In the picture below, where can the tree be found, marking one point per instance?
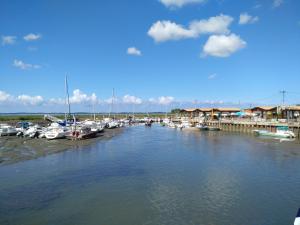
(174, 111)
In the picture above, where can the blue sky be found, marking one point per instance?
(156, 54)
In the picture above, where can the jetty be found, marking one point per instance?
(246, 120)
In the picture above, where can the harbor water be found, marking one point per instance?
(157, 175)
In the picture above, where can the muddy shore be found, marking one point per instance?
(14, 149)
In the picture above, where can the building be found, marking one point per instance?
(265, 112)
(209, 112)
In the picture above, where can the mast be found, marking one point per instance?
(112, 102)
(67, 97)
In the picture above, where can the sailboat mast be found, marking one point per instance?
(67, 96)
(112, 102)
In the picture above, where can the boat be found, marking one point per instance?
(186, 125)
(55, 131)
(32, 131)
(7, 130)
(202, 127)
(79, 133)
(214, 128)
(281, 132)
(112, 124)
(94, 125)
(297, 219)
(148, 123)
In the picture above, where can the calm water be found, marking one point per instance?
(157, 176)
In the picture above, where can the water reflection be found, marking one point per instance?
(157, 176)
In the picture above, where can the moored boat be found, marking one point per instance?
(281, 132)
(79, 133)
(55, 131)
(7, 130)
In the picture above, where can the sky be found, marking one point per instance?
(155, 54)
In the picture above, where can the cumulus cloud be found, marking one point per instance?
(277, 3)
(80, 97)
(5, 97)
(245, 18)
(24, 66)
(223, 45)
(179, 3)
(32, 37)
(23, 99)
(130, 99)
(134, 51)
(166, 30)
(8, 40)
(216, 24)
(30, 100)
(163, 100)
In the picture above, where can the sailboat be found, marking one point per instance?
(111, 122)
(58, 130)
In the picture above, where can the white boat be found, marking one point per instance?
(281, 132)
(297, 219)
(79, 133)
(56, 131)
(112, 124)
(32, 131)
(7, 130)
(94, 125)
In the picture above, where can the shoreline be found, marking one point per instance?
(14, 150)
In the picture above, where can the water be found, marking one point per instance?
(157, 176)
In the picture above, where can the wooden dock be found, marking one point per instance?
(248, 126)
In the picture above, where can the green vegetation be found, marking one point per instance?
(21, 117)
(174, 111)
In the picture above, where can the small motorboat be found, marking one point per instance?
(281, 132)
(202, 127)
(7, 130)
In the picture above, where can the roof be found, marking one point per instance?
(206, 109)
(228, 109)
(265, 108)
(293, 108)
(189, 110)
(212, 109)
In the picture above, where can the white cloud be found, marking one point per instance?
(212, 76)
(216, 24)
(134, 51)
(223, 45)
(129, 99)
(245, 18)
(163, 100)
(8, 40)
(24, 66)
(277, 3)
(179, 3)
(32, 37)
(80, 97)
(5, 97)
(30, 100)
(166, 30)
